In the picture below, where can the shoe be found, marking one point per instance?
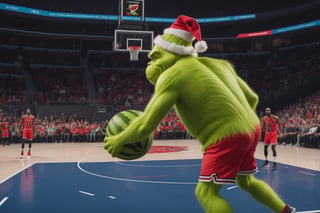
(290, 209)
(266, 163)
(29, 153)
(21, 154)
(274, 166)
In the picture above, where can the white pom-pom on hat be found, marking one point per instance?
(201, 46)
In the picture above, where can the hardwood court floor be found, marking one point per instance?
(82, 177)
(10, 163)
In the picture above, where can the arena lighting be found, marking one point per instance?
(281, 30)
(26, 10)
(51, 14)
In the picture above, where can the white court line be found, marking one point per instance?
(311, 211)
(307, 173)
(18, 172)
(232, 187)
(3, 200)
(132, 180)
(87, 193)
(157, 166)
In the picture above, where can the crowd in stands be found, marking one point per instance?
(12, 86)
(300, 126)
(301, 122)
(123, 88)
(57, 72)
(272, 74)
(171, 127)
(59, 86)
(55, 129)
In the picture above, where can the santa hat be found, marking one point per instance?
(187, 29)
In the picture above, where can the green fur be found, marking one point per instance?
(211, 201)
(213, 103)
(221, 110)
(261, 192)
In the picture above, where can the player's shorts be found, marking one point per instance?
(27, 134)
(270, 138)
(4, 134)
(229, 157)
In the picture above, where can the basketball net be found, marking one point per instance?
(134, 52)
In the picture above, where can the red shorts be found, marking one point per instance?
(5, 134)
(27, 134)
(270, 138)
(233, 155)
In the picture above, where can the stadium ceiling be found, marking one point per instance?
(165, 8)
(263, 15)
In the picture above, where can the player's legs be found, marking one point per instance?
(261, 192)
(26, 138)
(265, 150)
(30, 144)
(208, 196)
(274, 152)
(5, 137)
(259, 189)
(22, 147)
(274, 143)
(30, 138)
(6, 141)
(220, 164)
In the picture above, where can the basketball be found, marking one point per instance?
(117, 124)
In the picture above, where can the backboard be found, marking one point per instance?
(125, 38)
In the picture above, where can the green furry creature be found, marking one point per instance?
(216, 106)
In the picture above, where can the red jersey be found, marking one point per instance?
(28, 121)
(4, 126)
(270, 124)
(5, 129)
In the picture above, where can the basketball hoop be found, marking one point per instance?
(134, 52)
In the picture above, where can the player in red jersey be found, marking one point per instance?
(28, 124)
(5, 131)
(271, 125)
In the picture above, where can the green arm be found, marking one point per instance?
(159, 105)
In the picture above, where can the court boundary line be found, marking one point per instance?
(19, 171)
(3, 201)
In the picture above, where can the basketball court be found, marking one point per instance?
(82, 177)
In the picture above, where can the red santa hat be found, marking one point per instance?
(188, 29)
